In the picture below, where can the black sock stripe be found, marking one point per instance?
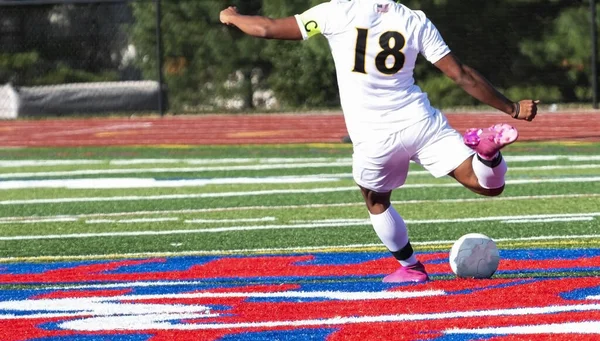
(404, 253)
(491, 163)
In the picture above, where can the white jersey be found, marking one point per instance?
(375, 44)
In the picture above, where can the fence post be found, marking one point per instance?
(159, 58)
(594, 55)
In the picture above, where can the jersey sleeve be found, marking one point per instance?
(432, 45)
(314, 20)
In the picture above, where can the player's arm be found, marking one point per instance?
(480, 88)
(262, 27)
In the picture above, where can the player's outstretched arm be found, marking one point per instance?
(480, 88)
(262, 27)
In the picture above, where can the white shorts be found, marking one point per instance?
(382, 166)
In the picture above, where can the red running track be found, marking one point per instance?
(258, 129)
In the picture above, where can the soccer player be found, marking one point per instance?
(390, 121)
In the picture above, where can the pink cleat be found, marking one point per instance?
(415, 273)
(487, 142)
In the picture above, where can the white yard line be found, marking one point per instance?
(131, 221)
(288, 207)
(241, 220)
(121, 183)
(127, 162)
(21, 163)
(530, 158)
(158, 220)
(504, 218)
(41, 220)
(548, 220)
(272, 192)
(173, 170)
(268, 166)
(101, 221)
(553, 180)
(308, 225)
(557, 167)
(46, 163)
(229, 161)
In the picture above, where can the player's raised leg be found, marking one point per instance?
(484, 173)
(391, 230)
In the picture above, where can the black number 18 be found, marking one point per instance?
(385, 41)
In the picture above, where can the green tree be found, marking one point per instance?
(528, 48)
(486, 35)
(490, 37)
(53, 44)
(563, 54)
(203, 58)
(16, 68)
(303, 72)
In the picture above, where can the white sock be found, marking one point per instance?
(487, 176)
(390, 228)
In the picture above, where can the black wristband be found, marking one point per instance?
(517, 110)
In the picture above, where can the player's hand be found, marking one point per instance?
(227, 14)
(526, 110)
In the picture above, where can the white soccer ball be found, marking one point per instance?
(474, 255)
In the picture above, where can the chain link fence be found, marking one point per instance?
(70, 58)
(91, 57)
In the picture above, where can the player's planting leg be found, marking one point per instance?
(391, 230)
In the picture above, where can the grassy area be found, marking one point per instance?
(272, 210)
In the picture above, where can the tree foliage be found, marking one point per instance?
(303, 73)
(528, 48)
(204, 61)
(61, 43)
